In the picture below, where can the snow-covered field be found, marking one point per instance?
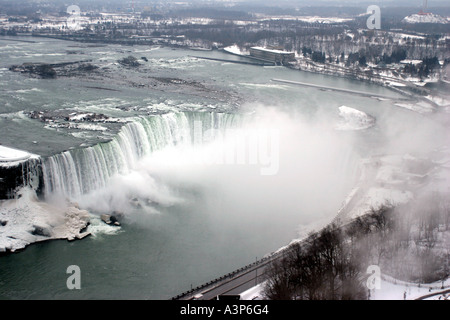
(389, 289)
(392, 289)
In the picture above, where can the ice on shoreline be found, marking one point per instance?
(420, 107)
(12, 155)
(27, 220)
(265, 85)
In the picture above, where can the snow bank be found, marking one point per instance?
(390, 180)
(12, 158)
(420, 107)
(79, 126)
(353, 119)
(265, 86)
(234, 49)
(377, 197)
(27, 220)
(392, 289)
(254, 293)
(311, 19)
(440, 101)
(394, 180)
(12, 155)
(425, 18)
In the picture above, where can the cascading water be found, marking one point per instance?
(26, 174)
(77, 172)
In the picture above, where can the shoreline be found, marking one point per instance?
(414, 92)
(351, 199)
(347, 75)
(27, 220)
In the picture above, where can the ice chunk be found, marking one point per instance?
(352, 119)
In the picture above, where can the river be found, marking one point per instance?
(195, 221)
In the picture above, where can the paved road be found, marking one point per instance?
(234, 283)
(237, 284)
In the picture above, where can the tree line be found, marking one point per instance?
(331, 264)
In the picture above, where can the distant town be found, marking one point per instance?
(411, 47)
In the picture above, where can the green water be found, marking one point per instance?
(228, 217)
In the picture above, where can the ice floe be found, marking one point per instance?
(352, 119)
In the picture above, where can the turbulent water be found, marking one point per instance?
(212, 164)
(77, 172)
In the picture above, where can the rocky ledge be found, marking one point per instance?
(17, 169)
(53, 70)
(113, 219)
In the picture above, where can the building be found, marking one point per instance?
(272, 55)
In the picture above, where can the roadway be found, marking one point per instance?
(233, 283)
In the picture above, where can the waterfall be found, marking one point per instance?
(79, 171)
(19, 174)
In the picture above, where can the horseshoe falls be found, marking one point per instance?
(212, 165)
(77, 172)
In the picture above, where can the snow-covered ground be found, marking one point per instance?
(391, 76)
(425, 18)
(389, 180)
(310, 19)
(234, 49)
(420, 107)
(80, 126)
(28, 220)
(10, 156)
(440, 101)
(254, 293)
(392, 289)
(389, 289)
(394, 179)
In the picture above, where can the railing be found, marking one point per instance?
(229, 276)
